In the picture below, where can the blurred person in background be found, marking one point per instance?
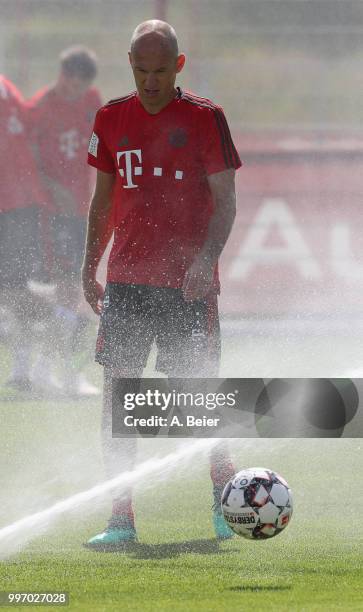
(21, 203)
(60, 117)
(166, 166)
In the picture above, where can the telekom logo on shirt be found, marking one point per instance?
(135, 156)
(128, 161)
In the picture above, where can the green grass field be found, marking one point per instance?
(51, 451)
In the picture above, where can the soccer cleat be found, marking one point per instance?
(222, 531)
(119, 533)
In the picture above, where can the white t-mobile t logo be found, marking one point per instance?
(128, 164)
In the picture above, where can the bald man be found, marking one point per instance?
(165, 165)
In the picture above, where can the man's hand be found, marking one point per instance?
(198, 278)
(93, 292)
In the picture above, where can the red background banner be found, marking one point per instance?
(296, 246)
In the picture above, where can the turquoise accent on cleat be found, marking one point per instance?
(222, 531)
(113, 537)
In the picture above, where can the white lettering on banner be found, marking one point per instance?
(342, 258)
(275, 213)
(138, 169)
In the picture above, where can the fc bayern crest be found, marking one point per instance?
(178, 138)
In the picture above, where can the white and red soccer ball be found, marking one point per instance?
(257, 503)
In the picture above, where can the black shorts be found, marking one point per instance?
(20, 247)
(187, 334)
(67, 238)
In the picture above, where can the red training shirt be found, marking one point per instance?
(19, 185)
(60, 129)
(162, 203)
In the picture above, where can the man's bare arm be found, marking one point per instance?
(199, 277)
(99, 232)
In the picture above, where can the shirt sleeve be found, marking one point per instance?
(99, 156)
(218, 150)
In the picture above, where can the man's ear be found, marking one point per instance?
(180, 62)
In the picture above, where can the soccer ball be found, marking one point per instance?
(257, 503)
